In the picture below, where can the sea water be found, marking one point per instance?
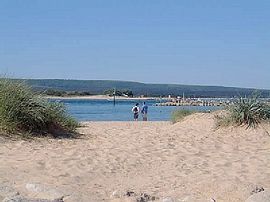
(105, 110)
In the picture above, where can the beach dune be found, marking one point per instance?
(118, 161)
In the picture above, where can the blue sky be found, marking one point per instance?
(209, 42)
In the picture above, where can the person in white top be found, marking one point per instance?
(136, 111)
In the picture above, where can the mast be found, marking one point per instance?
(114, 92)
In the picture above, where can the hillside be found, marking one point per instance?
(99, 86)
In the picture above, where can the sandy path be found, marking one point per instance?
(190, 160)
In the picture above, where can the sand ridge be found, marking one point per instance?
(191, 160)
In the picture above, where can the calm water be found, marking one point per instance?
(104, 110)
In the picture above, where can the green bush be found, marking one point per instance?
(111, 92)
(249, 112)
(179, 115)
(21, 110)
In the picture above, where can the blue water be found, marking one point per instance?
(104, 110)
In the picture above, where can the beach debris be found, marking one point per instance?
(142, 197)
(9, 194)
(145, 198)
(257, 189)
(19, 198)
(115, 194)
(168, 199)
(7, 191)
(45, 192)
(262, 196)
(130, 193)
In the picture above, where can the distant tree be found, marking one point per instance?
(85, 93)
(110, 92)
(128, 93)
(58, 93)
(52, 92)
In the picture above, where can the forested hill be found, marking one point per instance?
(99, 86)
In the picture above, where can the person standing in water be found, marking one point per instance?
(136, 111)
(144, 111)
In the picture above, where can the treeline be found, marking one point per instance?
(60, 93)
(109, 92)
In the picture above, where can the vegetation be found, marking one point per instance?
(22, 111)
(61, 93)
(179, 115)
(111, 92)
(99, 86)
(248, 111)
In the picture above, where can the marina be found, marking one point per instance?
(215, 102)
(197, 102)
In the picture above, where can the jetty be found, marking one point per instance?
(218, 102)
(196, 102)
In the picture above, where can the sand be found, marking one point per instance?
(188, 161)
(101, 97)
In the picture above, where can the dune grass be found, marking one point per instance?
(179, 115)
(24, 112)
(246, 111)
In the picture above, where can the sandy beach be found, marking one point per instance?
(118, 161)
(102, 97)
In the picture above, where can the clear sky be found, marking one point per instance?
(208, 42)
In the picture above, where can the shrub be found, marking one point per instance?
(249, 112)
(52, 92)
(179, 115)
(21, 110)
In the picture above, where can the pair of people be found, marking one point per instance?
(136, 111)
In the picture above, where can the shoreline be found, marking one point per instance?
(123, 122)
(102, 97)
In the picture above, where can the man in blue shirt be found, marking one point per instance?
(144, 111)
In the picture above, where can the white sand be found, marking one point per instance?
(102, 97)
(189, 160)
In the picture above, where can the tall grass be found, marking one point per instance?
(179, 115)
(246, 111)
(23, 111)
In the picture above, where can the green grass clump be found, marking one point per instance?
(248, 111)
(179, 115)
(23, 111)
